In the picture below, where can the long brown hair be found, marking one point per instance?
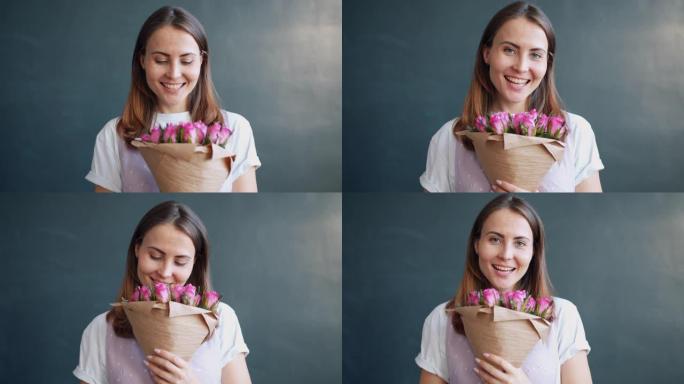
(185, 220)
(536, 279)
(140, 106)
(481, 94)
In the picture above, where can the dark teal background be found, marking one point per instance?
(67, 65)
(617, 257)
(407, 66)
(276, 258)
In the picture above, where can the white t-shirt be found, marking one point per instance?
(566, 333)
(441, 166)
(227, 338)
(106, 166)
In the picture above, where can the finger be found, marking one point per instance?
(499, 361)
(172, 357)
(160, 368)
(508, 187)
(485, 377)
(159, 380)
(495, 372)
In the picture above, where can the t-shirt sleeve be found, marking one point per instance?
(436, 175)
(91, 361)
(105, 170)
(571, 338)
(432, 356)
(587, 159)
(244, 147)
(230, 335)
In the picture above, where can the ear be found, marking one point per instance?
(137, 247)
(485, 54)
(475, 244)
(141, 56)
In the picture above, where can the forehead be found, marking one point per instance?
(171, 40)
(169, 239)
(522, 32)
(507, 222)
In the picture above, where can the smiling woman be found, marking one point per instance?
(170, 83)
(514, 72)
(505, 251)
(169, 245)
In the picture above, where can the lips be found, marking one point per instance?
(503, 268)
(172, 86)
(517, 80)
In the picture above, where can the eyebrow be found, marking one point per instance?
(166, 54)
(518, 47)
(164, 253)
(501, 235)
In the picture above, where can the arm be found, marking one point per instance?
(99, 189)
(429, 378)
(576, 370)
(590, 184)
(235, 372)
(247, 182)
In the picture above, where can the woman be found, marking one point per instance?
(505, 251)
(169, 245)
(171, 83)
(513, 73)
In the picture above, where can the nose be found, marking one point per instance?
(506, 252)
(166, 269)
(173, 70)
(522, 64)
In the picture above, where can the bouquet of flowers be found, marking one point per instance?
(508, 324)
(518, 148)
(172, 317)
(187, 157)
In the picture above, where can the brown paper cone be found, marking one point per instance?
(186, 167)
(519, 160)
(174, 327)
(502, 331)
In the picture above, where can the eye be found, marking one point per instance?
(181, 263)
(509, 50)
(520, 243)
(187, 62)
(161, 61)
(537, 56)
(494, 240)
(155, 256)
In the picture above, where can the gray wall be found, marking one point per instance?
(276, 258)
(67, 71)
(407, 66)
(617, 257)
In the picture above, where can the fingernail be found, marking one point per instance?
(476, 371)
(146, 362)
(157, 350)
(486, 354)
(498, 181)
(476, 359)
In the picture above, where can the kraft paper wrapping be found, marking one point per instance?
(502, 331)
(519, 160)
(181, 167)
(175, 327)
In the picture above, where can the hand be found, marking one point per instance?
(494, 369)
(503, 186)
(168, 368)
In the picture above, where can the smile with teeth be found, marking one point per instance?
(502, 268)
(172, 85)
(516, 80)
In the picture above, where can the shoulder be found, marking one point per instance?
(565, 314)
(236, 120)
(437, 319)
(108, 131)
(445, 134)
(227, 315)
(579, 126)
(97, 327)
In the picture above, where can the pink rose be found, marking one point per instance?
(189, 294)
(530, 304)
(213, 132)
(516, 300)
(223, 135)
(499, 122)
(555, 125)
(189, 133)
(155, 134)
(201, 131)
(211, 299)
(146, 138)
(474, 298)
(526, 122)
(177, 291)
(542, 123)
(136, 294)
(145, 293)
(161, 292)
(507, 297)
(491, 297)
(544, 305)
(170, 133)
(481, 124)
(198, 299)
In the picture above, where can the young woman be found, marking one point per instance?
(513, 73)
(171, 83)
(169, 245)
(505, 251)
